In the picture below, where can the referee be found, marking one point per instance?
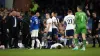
(95, 23)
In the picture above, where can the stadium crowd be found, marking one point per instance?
(16, 32)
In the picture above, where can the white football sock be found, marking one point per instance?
(33, 43)
(42, 43)
(38, 42)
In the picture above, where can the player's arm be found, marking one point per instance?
(86, 18)
(88, 12)
(44, 23)
(48, 26)
(55, 22)
(64, 22)
(62, 46)
(73, 20)
(31, 23)
(76, 16)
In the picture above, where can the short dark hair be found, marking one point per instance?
(48, 14)
(59, 47)
(80, 7)
(54, 12)
(69, 11)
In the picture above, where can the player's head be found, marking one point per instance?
(69, 12)
(79, 8)
(94, 14)
(53, 14)
(37, 14)
(47, 15)
(59, 47)
(14, 13)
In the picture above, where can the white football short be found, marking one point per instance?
(34, 33)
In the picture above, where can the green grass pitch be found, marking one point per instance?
(54, 52)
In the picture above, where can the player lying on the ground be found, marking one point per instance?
(56, 46)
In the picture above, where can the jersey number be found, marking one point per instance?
(70, 21)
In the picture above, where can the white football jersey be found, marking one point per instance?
(55, 45)
(48, 22)
(54, 20)
(69, 19)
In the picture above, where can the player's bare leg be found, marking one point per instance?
(38, 43)
(33, 43)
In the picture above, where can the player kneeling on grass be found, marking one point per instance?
(56, 46)
(34, 29)
(81, 23)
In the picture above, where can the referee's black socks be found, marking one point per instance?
(98, 41)
(93, 42)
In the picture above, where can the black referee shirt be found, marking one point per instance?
(95, 23)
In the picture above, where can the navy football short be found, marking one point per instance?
(54, 31)
(69, 32)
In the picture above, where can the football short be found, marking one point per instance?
(69, 32)
(80, 29)
(54, 32)
(34, 33)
